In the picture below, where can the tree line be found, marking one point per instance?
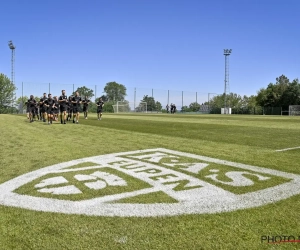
(281, 94)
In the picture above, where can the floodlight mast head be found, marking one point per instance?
(227, 52)
(11, 45)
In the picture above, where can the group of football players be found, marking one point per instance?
(48, 108)
(173, 108)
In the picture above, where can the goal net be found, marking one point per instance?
(294, 110)
(122, 107)
(142, 107)
(126, 107)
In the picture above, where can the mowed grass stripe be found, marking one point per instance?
(266, 137)
(240, 120)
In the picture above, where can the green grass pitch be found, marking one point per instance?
(251, 140)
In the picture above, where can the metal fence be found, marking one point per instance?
(134, 95)
(251, 111)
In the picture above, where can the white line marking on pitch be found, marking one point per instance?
(286, 149)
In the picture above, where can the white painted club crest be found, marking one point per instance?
(178, 175)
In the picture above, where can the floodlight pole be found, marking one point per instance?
(227, 53)
(12, 47)
(134, 99)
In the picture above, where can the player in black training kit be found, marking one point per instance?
(70, 108)
(63, 102)
(27, 109)
(55, 109)
(49, 103)
(31, 104)
(43, 108)
(100, 105)
(167, 108)
(36, 111)
(86, 103)
(76, 105)
(173, 108)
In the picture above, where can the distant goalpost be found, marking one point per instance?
(294, 110)
(127, 107)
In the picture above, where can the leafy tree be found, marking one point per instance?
(281, 94)
(115, 91)
(238, 103)
(282, 82)
(261, 97)
(217, 101)
(158, 106)
(273, 95)
(84, 91)
(108, 107)
(104, 98)
(291, 95)
(249, 101)
(152, 105)
(194, 106)
(150, 102)
(185, 109)
(7, 89)
(20, 102)
(233, 100)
